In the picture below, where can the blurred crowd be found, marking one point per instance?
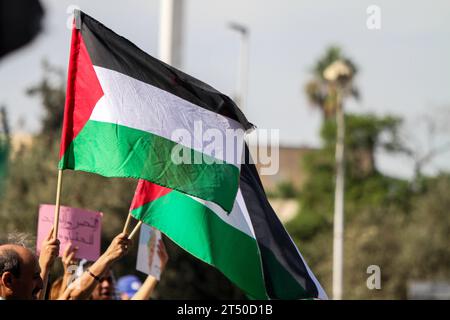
(24, 275)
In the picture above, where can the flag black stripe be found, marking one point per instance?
(109, 50)
(271, 235)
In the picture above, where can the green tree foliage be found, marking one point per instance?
(51, 91)
(365, 186)
(318, 91)
(388, 222)
(286, 190)
(408, 245)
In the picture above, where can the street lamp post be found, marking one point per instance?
(170, 33)
(243, 65)
(339, 75)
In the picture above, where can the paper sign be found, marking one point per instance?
(80, 227)
(148, 260)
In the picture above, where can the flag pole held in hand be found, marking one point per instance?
(127, 223)
(135, 230)
(57, 205)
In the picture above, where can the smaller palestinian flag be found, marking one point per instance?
(128, 114)
(249, 246)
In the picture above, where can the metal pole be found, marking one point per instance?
(165, 31)
(242, 80)
(170, 33)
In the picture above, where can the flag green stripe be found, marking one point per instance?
(203, 234)
(113, 150)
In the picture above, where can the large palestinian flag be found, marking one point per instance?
(128, 114)
(250, 245)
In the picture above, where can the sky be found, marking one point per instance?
(403, 67)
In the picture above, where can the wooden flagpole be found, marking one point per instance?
(127, 223)
(57, 205)
(135, 230)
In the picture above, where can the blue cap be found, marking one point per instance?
(128, 284)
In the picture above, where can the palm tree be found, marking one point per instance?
(318, 90)
(332, 83)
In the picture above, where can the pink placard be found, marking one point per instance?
(80, 227)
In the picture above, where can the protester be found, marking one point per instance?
(69, 263)
(128, 287)
(105, 288)
(131, 288)
(22, 275)
(99, 273)
(49, 252)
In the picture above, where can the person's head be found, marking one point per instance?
(127, 286)
(19, 273)
(105, 288)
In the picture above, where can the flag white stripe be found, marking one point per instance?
(136, 104)
(238, 218)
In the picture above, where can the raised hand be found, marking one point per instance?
(118, 247)
(162, 253)
(68, 256)
(49, 251)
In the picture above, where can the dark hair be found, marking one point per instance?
(9, 261)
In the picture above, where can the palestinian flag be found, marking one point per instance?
(128, 114)
(250, 245)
